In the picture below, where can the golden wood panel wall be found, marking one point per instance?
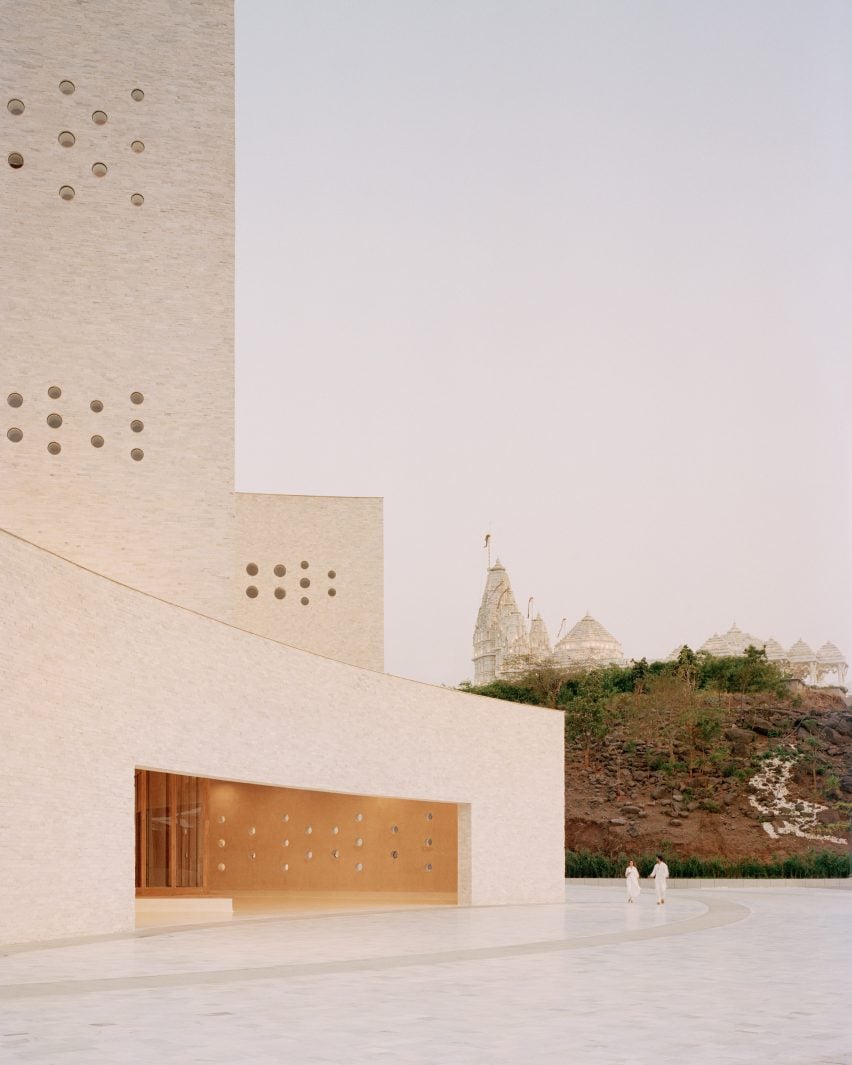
(282, 839)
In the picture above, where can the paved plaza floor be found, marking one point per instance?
(723, 976)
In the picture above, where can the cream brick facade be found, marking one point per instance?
(127, 637)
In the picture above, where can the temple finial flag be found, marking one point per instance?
(488, 547)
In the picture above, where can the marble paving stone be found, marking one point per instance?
(748, 977)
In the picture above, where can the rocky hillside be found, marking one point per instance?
(775, 780)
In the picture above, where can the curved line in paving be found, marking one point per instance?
(719, 912)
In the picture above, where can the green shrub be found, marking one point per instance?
(813, 865)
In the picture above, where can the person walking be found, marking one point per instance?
(631, 874)
(660, 874)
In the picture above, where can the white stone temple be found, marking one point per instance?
(506, 643)
(825, 666)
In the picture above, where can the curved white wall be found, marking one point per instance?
(98, 679)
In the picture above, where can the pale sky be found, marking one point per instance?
(576, 274)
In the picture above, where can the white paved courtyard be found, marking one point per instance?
(759, 975)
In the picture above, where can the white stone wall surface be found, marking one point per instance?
(98, 679)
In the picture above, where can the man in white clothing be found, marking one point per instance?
(660, 874)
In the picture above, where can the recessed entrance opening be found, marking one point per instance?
(269, 848)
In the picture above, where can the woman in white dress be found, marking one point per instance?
(631, 875)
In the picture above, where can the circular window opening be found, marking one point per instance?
(14, 399)
(285, 867)
(251, 592)
(137, 199)
(67, 139)
(309, 830)
(137, 426)
(15, 435)
(15, 107)
(16, 160)
(97, 441)
(394, 828)
(137, 398)
(304, 565)
(66, 192)
(96, 406)
(221, 819)
(99, 169)
(285, 817)
(54, 420)
(429, 817)
(285, 842)
(137, 95)
(54, 391)
(279, 593)
(137, 454)
(220, 843)
(66, 87)
(394, 855)
(427, 842)
(280, 571)
(359, 817)
(99, 118)
(54, 448)
(332, 592)
(335, 853)
(331, 574)
(359, 868)
(304, 583)
(427, 868)
(304, 600)
(137, 146)
(251, 569)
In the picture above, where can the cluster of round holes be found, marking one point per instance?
(67, 139)
(99, 169)
(16, 160)
(15, 107)
(66, 87)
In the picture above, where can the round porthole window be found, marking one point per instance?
(251, 569)
(15, 107)
(16, 160)
(14, 399)
(304, 600)
(99, 169)
(97, 441)
(54, 420)
(54, 391)
(66, 193)
(137, 426)
(359, 868)
(66, 88)
(332, 592)
(137, 146)
(67, 139)
(285, 867)
(137, 95)
(220, 843)
(251, 592)
(54, 448)
(304, 583)
(137, 199)
(99, 118)
(331, 574)
(304, 565)
(280, 571)
(279, 593)
(221, 867)
(137, 398)
(15, 435)
(137, 454)
(96, 406)
(394, 855)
